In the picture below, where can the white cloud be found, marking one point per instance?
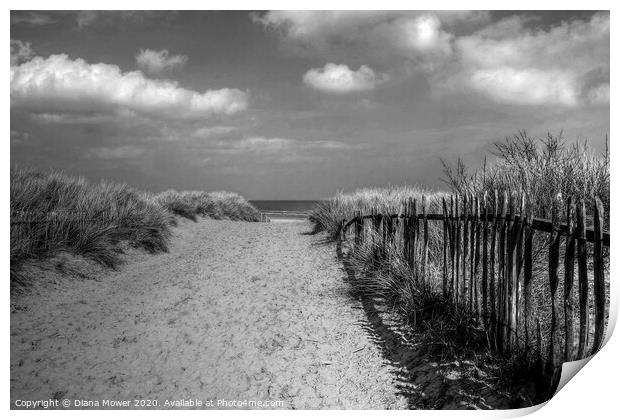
(566, 65)
(417, 36)
(159, 61)
(526, 86)
(20, 136)
(20, 51)
(58, 84)
(86, 17)
(338, 78)
(208, 132)
(118, 152)
(31, 18)
(276, 144)
(516, 60)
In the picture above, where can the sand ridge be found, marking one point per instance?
(235, 311)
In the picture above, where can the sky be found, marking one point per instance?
(297, 105)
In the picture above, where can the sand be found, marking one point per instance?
(236, 311)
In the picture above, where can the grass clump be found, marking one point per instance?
(328, 214)
(53, 213)
(217, 205)
(545, 169)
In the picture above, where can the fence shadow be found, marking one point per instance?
(416, 366)
(390, 343)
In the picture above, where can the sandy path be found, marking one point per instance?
(235, 311)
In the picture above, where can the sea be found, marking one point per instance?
(285, 210)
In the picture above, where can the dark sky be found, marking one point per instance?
(296, 105)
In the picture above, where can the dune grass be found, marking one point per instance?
(217, 205)
(547, 170)
(53, 213)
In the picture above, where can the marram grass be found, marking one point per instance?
(52, 213)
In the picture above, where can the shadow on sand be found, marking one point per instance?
(422, 374)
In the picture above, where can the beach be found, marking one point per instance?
(235, 311)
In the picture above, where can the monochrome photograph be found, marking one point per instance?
(306, 209)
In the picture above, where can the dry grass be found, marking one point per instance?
(53, 213)
(546, 170)
(217, 205)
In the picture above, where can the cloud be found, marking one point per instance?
(20, 51)
(208, 132)
(31, 18)
(118, 152)
(264, 145)
(58, 84)
(86, 17)
(159, 61)
(415, 36)
(20, 136)
(338, 78)
(566, 65)
(518, 60)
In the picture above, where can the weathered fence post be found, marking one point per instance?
(444, 284)
(485, 261)
(425, 245)
(582, 271)
(452, 233)
(599, 277)
(554, 260)
(472, 255)
(477, 257)
(465, 249)
(492, 287)
(457, 247)
(501, 274)
(527, 274)
(569, 276)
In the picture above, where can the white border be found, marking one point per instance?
(592, 394)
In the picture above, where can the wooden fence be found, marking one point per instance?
(489, 251)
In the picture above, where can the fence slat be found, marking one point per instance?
(472, 255)
(425, 244)
(569, 278)
(451, 231)
(465, 248)
(477, 256)
(457, 246)
(414, 242)
(508, 278)
(516, 261)
(485, 262)
(599, 277)
(582, 272)
(444, 283)
(492, 283)
(554, 262)
(527, 274)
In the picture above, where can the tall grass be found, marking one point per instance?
(53, 212)
(547, 170)
(393, 280)
(217, 205)
(328, 214)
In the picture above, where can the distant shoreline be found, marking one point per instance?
(283, 210)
